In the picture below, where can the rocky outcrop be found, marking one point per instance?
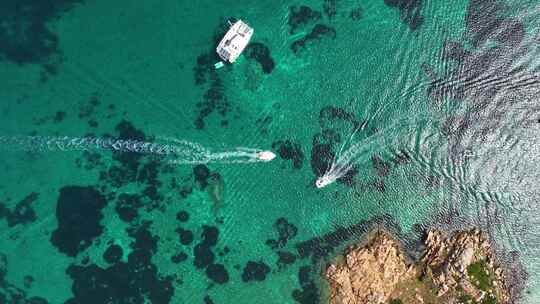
(456, 269)
(369, 274)
(465, 262)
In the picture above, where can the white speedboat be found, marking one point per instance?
(266, 155)
(235, 41)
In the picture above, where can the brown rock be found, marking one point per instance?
(378, 271)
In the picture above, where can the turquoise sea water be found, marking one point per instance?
(446, 94)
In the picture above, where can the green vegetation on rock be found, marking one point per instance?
(479, 275)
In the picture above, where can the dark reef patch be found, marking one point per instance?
(127, 206)
(255, 271)
(300, 17)
(201, 173)
(11, 294)
(178, 258)
(322, 246)
(113, 254)
(25, 37)
(129, 162)
(286, 231)
(487, 76)
(321, 158)
(92, 160)
(483, 19)
(453, 50)
(208, 300)
(285, 258)
(318, 32)
(217, 273)
(88, 109)
(289, 150)
(59, 116)
(330, 8)
(382, 167)
(409, 11)
(214, 99)
(309, 293)
(379, 185)
(203, 256)
(401, 157)
(186, 236)
(330, 114)
(28, 280)
(356, 13)
(260, 53)
(136, 281)
(182, 216)
(78, 213)
(203, 251)
(210, 235)
(22, 213)
(204, 67)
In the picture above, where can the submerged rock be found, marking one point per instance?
(261, 53)
(318, 32)
(22, 213)
(217, 273)
(456, 269)
(299, 17)
(78, 213)
(255, 271)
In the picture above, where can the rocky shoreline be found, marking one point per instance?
(457, 268)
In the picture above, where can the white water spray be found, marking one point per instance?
(181, 151)
(343, 162)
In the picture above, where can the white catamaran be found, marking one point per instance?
(234, 42)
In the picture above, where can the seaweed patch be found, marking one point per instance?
(409, 11)
(127, 206)
(9, 293)
(203, 253)
(214, 99)
(382, 167)
(285, 258)
(309, 292)
(330, 7)
(78, 213)
(255, 271)
(484, 77)
(136, 281)
(113, 254)
(300, 17)
(356, 13)
(260, 53)
(24, 35)
(217, 273)
(285, 231)
(22, 213)
(289, 150)
(317, 33)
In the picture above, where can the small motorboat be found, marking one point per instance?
(266, 155)
(235, 41)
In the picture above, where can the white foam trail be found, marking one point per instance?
(182, 152)
(343, 162)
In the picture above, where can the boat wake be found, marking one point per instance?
(178, 151)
